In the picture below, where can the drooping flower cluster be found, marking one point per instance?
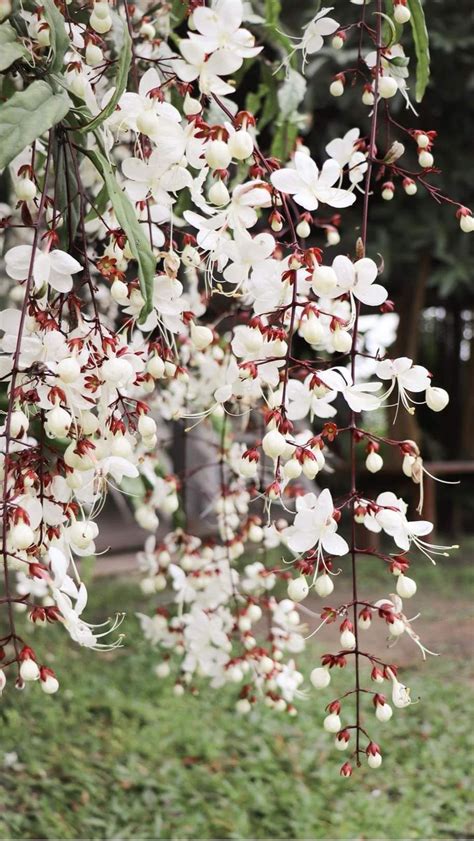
(162, 269)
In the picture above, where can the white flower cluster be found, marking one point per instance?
(99, 353)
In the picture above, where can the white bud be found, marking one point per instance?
(49, 685)
(383, 712)
(310, 468)
(401, 15)
(94, 55)
(436, 398)
(255, 533)
(368, 98)
(243, 706)
(341, 340)
(387, 87)
(347, 640)
(101, 9)
(374, 760)
(324, 585)
(466, 223)
(336, 88)
(374, 462)
(254, 612)
(147, 30)
(146, 425)
(313, 330)
(68, 370)
(341, 744)
(320, 677)
(170, 504)
(303, 229)
(29, 670)
(332, 236)
(178, 690)
(425, 159)
(273, 443)
(100, 25)
(19, 423)
(235, 674)
(25, 189)
(410, 188)
(156, 367)
(218, 154)
(119, 292)
(298, 589)
(388, 194)
(332, 723)
(219, 194)
(292, 469)
(406, 587)
(241, 145)
(22, 536)
(364, 622)
(58, 422)
(116, 370)
(191, 106)
(422, 141)
(201, 337)
(337, 42)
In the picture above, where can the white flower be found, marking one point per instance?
(342, 150)
(309, 186)
(391, 518)
(404, 374)
(358, 279)
(358, 396)
(207, 69)
(219, 27)
(303, 400)
(54, 268)
(315, 526)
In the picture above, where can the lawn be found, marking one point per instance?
(116, 755)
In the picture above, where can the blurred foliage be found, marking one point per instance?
(116, 755)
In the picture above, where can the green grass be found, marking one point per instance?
(116, 755)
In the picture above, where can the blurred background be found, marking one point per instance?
(115, 755)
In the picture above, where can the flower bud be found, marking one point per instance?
(341, 340)
(68, 370)
(425, 159)
(146, 425)
(347, 640)
(273, 443)
(324, 585)
(49, 684)
(303, 229)
(388, 191)
(337, 42)
(341, 742)
(346, 770)
(397, 627)
(336, 88)
(383, 712)
(94, 55)
(374, 757)
(218, 154)
(422, 140)
(29, 669)
(83, 532)
(436, 398)
(156, 367)
(58, 422)
(22, 536)
(298, 589)
(25, 189)
(409, 186)
(243, 706)
(201, 337)
(219, 194)
(241, 145)
(368, 97)
(292, 469)
(406, 587)
(100, 24)
(162, 670)
(191, 106)
(387, 87)
(19, 423)
(374, 462)
(401, 15)
(332, 723)
(320, 677)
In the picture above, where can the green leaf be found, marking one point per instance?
(67, 192)
(10, 49)
(422, 47)
(125, 213)
(27, 115)
(124, 60)
(59, 39)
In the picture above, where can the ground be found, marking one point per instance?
(116, 755)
